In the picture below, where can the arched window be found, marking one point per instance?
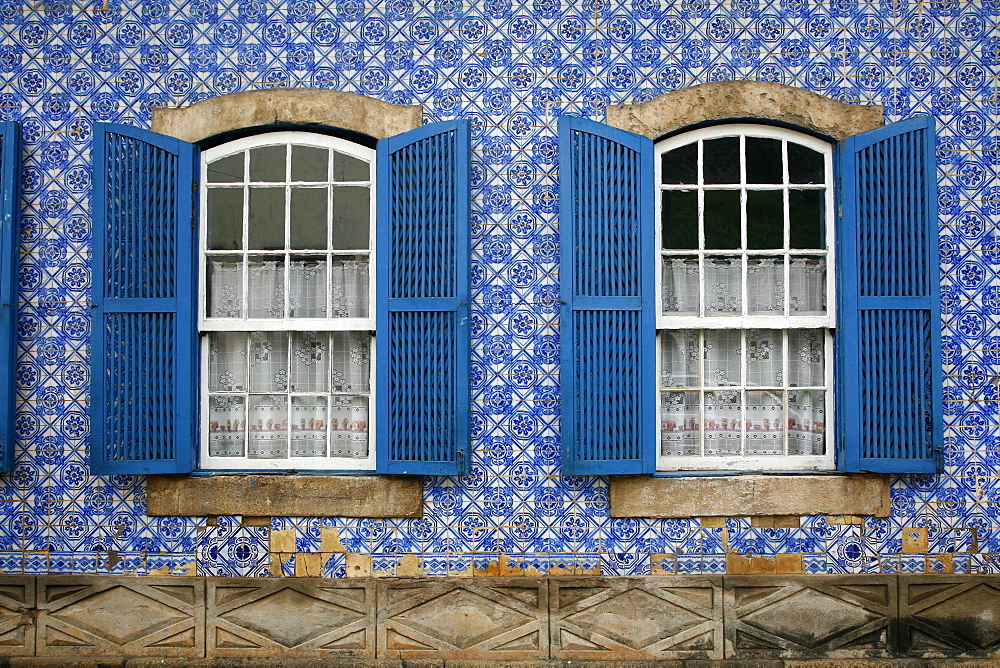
(746, 299)
(287, 312)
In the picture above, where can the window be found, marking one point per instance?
(668, 321)
(300, 262)
(746, 296)
(287, 312)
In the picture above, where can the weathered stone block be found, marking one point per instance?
(636, 618)
(17, 623)
(121, 616)
(811, 616)
(291, 618)
(954, 616)
(463, 618)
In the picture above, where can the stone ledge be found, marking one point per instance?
(305, 106)
(749, 495)
(285, 496)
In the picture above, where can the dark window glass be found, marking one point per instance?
(804, 164)
(226, 170)
(350, 217)
(347, 168)
(267, 164)
(309, 163)
(763, 160)
(225, 218)
(266, 221)
(765, 219)
(722, 160)
(806, 211)
(680, 219)
(307, 218)
(680, 165)
(722, 219)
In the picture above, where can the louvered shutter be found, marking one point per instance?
(143, 358)
(607, 281)
(10, 209)
(422, 322)
(889, 375)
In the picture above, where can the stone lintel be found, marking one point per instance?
(285, 495)
(761, 100)
(750, 495)
(274, 106)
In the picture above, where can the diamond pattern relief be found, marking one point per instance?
(486, 618)
(106, 616)
(636, 618)
(291, 617)
(942, 616)
(805, 616)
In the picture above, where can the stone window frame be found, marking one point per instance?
(747, 495)
(279, 495)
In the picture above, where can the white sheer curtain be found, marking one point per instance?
(806, 422)
(723, 285)
(680, 290)
(807, 280)
(766, 285)
(307, 289)
(349, 287)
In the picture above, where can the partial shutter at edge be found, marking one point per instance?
(144, 376)
(10, 210)
(889, 373)
(607, 279)
(422, 321)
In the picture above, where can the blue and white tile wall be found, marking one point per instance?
(512, 69)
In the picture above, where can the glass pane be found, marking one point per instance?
(227, 423)
(267, 164)
(349, 286)
(227, 367)
(806, 357)
(268, 427)
(679, 358)
(765, 285)
(310, 362)
(805, 165)
(722, 219)
(266, 222)
(350, 355)
(722, 423)
(722, 160)
(679, 219)
(764, 164)
(307, 218)
(680, 165)
(268, 362)
(310, 163)
(723, 285)
(679, 433)
(226, 170)
(765, 423)
(225, 286)
(225, 218)
(765, 219)
(807, 285)
(764, 358)
(680, 291)
(806, 213)
(348, 168)
(307, 287)
(806, 422)
(351, 212)
(349, 426)
(266, 286)
(309, 426)
(722, 357)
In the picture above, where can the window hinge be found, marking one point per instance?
(194, 187)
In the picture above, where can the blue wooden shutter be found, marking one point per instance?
(422, 321)
(144, 383)
(888, 341)
(608, 287)
(10, 209)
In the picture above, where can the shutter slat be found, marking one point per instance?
(889, 375)
(608, 318)
(10, 216)
(144, 353)
(422, 323)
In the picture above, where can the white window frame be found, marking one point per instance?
(245, 324)
(744, 321)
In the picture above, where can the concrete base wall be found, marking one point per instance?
(758, 619)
